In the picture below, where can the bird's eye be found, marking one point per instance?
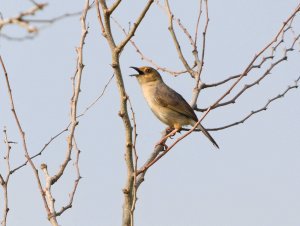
(147, 70)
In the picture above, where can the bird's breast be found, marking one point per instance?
(149, 94)
(163, 113)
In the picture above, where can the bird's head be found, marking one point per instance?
(146, 74)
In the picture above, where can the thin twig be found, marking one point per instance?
(256, 82)
(18, 39)
(41, 151)
(134, 27)
(197, 24)
(97, 99)
(200, 62)
(176, 42)
(20, 21)
(75, 97)
(100, 18)
(54, 19)
(264, 108)
(203, 41)
(264, 60)
(4, 182)
(76, 83)
(22, 135)
(76, 182)
(136, 157)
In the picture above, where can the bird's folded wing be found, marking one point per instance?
(167, 97)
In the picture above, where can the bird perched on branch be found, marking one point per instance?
(167, 105)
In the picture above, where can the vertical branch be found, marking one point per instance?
(175, 40)
(135, 163)
(199, 63)
(50, 180)
(76, 91)
(4, 182)
(100, 18)
(116, 50)
(197, 24)
(123, 113)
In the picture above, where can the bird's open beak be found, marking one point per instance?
(138, 70)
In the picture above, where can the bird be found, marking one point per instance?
(166, 104)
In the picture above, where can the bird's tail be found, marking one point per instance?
(205, 132)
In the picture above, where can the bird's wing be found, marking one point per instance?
(167, 97)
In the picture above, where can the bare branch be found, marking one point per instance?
(264, 59)
(4, 183)
(114, 6)
(1, 180)
(256, 82)
(27, 23)
(54, 19)
(200, 63)
(185, 31)
(246, 87)
(22, 135)
(76, 182)
(75, 97)
(134, 27)
(100, 18)
(18, 39)
(97, 99)
(175, 40)
(48, 196)
(20, 21)
(197, 24)
(41, 151)
(180, 24)
(264, 108)
(136, 157)
(50, 180)
(123, 113)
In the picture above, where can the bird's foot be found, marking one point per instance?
(169, 130)
(169, 135)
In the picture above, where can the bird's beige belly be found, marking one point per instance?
(169, 117)
(164, 114)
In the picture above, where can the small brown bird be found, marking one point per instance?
(167, 105)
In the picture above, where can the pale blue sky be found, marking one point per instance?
(253, 180)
